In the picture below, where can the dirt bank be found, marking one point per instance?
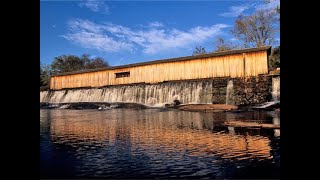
(207, 107)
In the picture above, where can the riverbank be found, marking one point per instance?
(183, 107)
(207, 107)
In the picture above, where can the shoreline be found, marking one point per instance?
(182, 107)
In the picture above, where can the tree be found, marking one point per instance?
(69, 63)
(221, 45)
(274, 58)
(45, 73)
(85, 58)
(199, 50)
(277, 9)
(97, 62)
(41, 75)
(256, 30)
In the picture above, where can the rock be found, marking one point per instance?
(66, 106)
(83, 106)
(176, 102)
(115, 106)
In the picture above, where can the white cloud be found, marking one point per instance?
(154, 39)
(234, 11)
(95, 5)
(155, 24)
(271, 5)
(233, 39)
(90, 35)
(84, 25)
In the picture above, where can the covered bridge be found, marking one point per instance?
(233, 63)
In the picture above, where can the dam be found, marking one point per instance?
(237, 77)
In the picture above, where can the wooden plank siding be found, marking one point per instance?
(233, 65)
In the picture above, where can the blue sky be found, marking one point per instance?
(124, 32)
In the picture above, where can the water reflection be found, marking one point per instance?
(151, 143)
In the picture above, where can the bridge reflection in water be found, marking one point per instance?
(154, 143)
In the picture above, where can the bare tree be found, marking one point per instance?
(222, 45)
(277, 9)
(258, 29)
(199, 50)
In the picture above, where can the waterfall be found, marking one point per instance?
(276, 121)
(275, 93)
(276, 89)
(230, 93)
(231, 130)
(152, 95)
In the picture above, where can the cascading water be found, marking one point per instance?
(276, 89)
(276, 121)
(275, 93)
(230, 93)
(153, 95)
(276, 98)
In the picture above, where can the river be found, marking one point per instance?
(157, 143)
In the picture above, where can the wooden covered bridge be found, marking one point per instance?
(233, 63)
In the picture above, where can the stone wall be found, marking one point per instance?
(253, 90)
(249, 90)
(219, 90)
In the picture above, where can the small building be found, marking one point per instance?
(233, 63)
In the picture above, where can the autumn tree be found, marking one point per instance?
(258, 29)
(199, 50)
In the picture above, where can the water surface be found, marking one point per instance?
(155, 143)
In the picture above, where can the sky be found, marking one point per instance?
(125, 32)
